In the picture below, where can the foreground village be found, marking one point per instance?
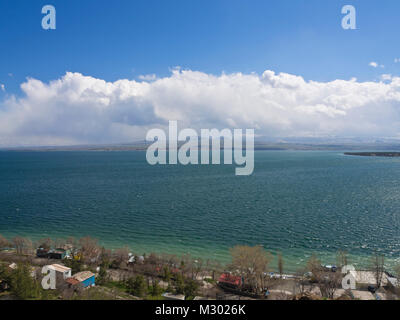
(82, 269)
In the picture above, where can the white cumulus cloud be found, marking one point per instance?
(82, 109)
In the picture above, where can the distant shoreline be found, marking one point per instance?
(374, 154)
(285, 147)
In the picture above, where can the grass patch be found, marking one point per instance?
(116, 285)
(155, 298)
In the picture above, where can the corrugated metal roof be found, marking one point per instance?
(82, 276)
(60, 268)
(72, 281)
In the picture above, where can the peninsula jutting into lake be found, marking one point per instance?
(373, 154)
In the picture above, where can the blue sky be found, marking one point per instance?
(125, 38)
(264, 64)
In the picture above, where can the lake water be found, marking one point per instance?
(297, 203)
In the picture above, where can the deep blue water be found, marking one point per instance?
(295, 202)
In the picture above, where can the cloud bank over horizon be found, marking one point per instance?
(78, 109)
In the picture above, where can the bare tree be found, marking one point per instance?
(327, 281)
(153, 259)
(45, 243)
(377, 267)
(105, 257)
(90, 249)
(252, 264)
(303, 282)
(62, 243)
(186, 265)
(280, 264)
(342, 259)
(73, 243)
(121, 257)
(215, 268)
(4, 243)
(23, 245)
(196, 266)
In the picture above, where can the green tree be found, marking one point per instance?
(5, 275)
(137, 286)
(23, 286)
(103, 276)
(156, 290)
(179, 284)
(75, 265)
(167, 275)
(170, 288)
(191, 287)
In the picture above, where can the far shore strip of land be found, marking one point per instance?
(374, 154)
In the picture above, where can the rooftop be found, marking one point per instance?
(72, 281)
(82, 276)
(231, 279)
(60, 268)
(367, 277)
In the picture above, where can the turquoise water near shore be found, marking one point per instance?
(296, 202)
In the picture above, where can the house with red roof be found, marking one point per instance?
(228, 280)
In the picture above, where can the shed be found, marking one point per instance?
(58, 253)
(230, 280)
(86, 278)
(72, 281)
(42, 253)
(367, 278)
(13, 266)
(392, 283)
(62, 270)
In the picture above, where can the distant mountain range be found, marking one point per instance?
(339, 144)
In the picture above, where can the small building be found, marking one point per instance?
(170, 296)
(393, 284)
(131, 259)
(58, 253)
(86, 278)
(61, 270)
(42, 253)
(230, 281)
(367, 278)
(72, 282)
(13, 266)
